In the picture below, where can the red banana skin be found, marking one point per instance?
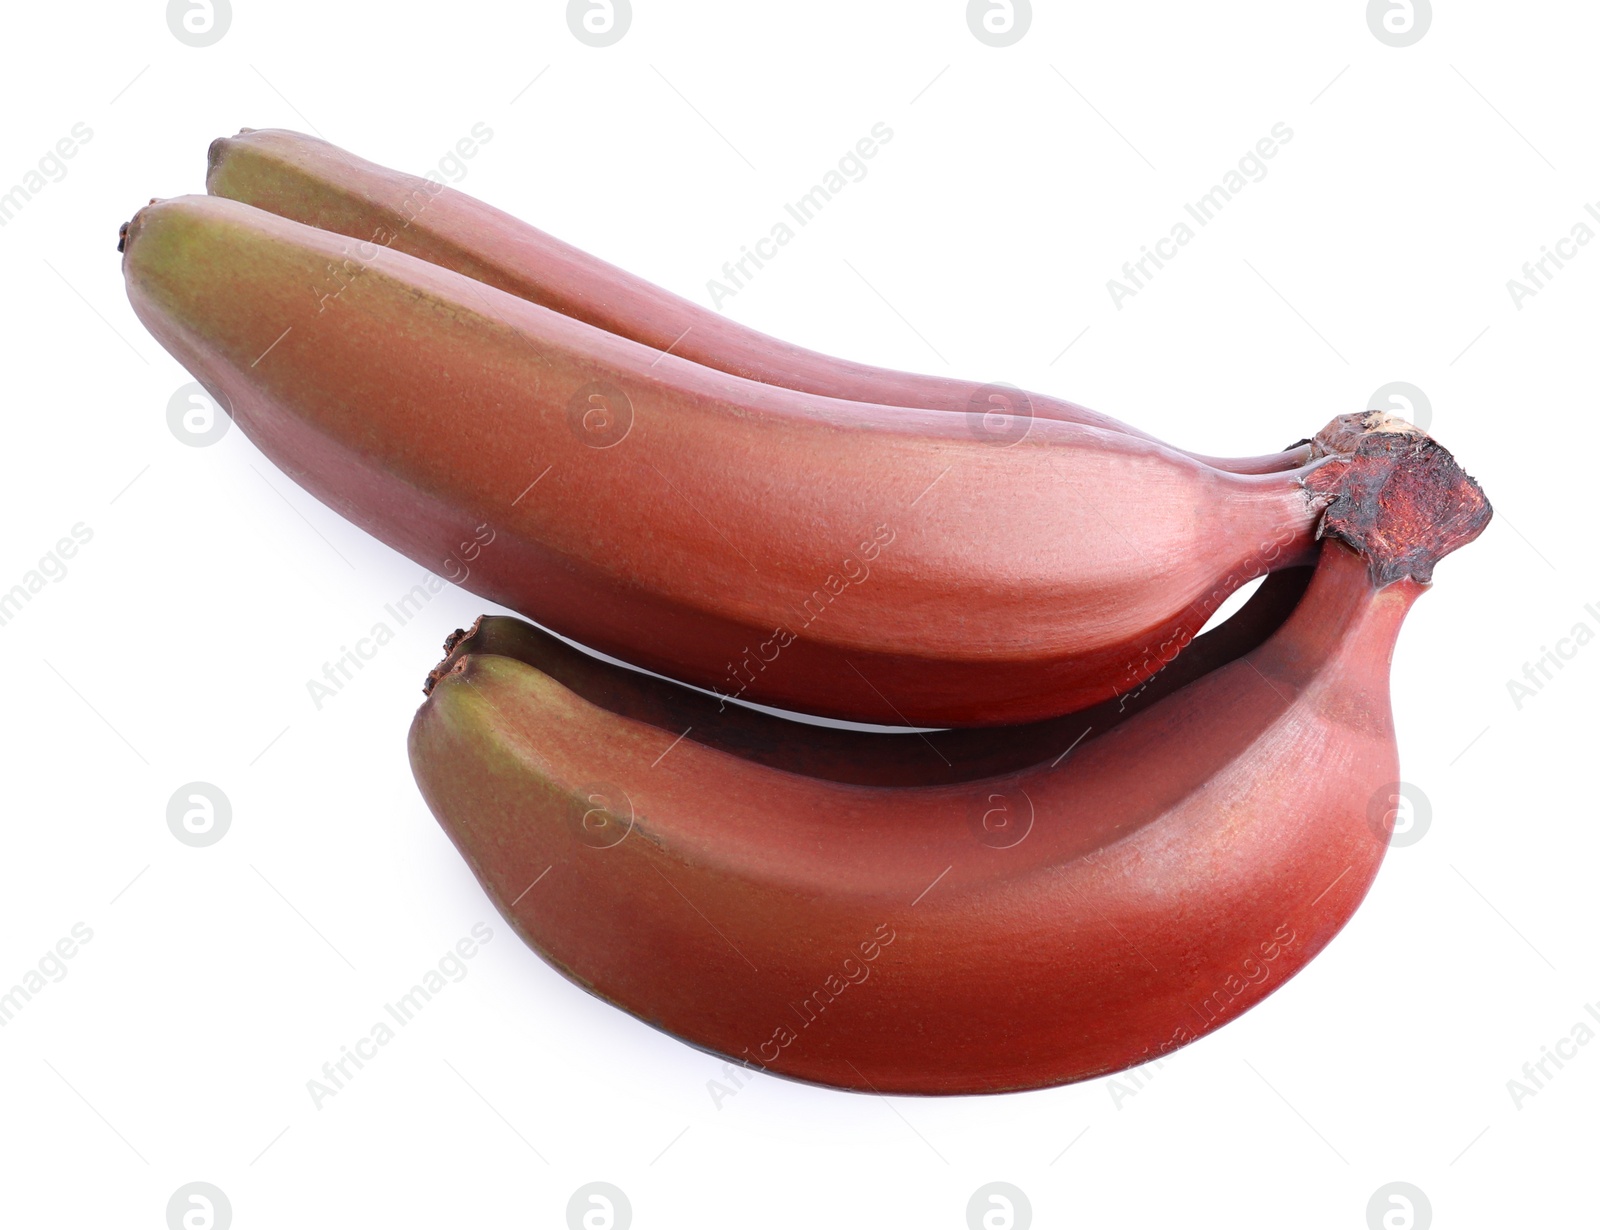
(992, 584)
(865, 758)
(1178, 870)
(321, 185)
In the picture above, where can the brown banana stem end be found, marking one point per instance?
(1397, 495)
(461, 638)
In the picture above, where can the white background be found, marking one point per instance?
(178, 644)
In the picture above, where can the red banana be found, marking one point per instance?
(311, 181)
(849, 560)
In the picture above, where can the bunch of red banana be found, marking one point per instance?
(1176, 828)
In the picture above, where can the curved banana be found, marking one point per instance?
(864, 758)
(843, 559)
(311, 181)
(1059, 923)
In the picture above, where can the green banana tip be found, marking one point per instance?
(126, 230)
(218, 149)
